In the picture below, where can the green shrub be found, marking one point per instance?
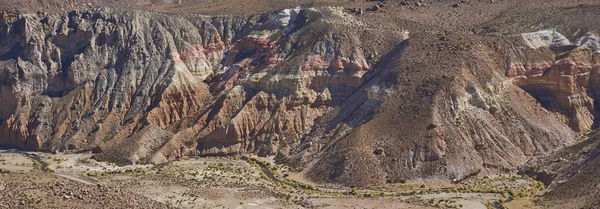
(37, 165)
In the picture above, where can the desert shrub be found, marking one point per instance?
(37, 165)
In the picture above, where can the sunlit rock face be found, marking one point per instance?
(561, 74)
(109, 79)
(317, 88)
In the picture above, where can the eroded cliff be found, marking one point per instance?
(98, 79)
(318, 88)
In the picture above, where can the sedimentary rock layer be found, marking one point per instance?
(307, 85)
(562, 75)
(99, 79)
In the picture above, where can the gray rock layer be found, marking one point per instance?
(305, 85)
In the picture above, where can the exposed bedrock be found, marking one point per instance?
(441, 122)
(307, 85)
(103, 79)
(561, 74)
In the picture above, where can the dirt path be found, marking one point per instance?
(44, 167)
(87, 181)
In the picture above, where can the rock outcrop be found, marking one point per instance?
(570, 174)
(562, 75)
(442, 121)
(307, 85)
(110, 79)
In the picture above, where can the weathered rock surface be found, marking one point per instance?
(443, 123)
(570, 174)
(306, 85)
(562, 75)
(152, 86)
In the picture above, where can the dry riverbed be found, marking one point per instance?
(42, 180)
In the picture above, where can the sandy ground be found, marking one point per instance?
(229, 183)
(15, 162)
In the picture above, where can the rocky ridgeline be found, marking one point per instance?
(307, 85)
(147, 87)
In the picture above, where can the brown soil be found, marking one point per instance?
(76, 181)
(42, 190)
(443, 43)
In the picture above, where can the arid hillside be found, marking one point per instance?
(354, 93)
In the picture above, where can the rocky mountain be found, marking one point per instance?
(348, 98)
(148, 87)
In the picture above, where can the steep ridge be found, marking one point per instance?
(571, 174)
(560, 74)
(105, 78)
(319, 88)
(444, 120)
(472, 103)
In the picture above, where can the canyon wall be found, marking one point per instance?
(317, 88)
(442, 119)
(108, 79)
(561, 74)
